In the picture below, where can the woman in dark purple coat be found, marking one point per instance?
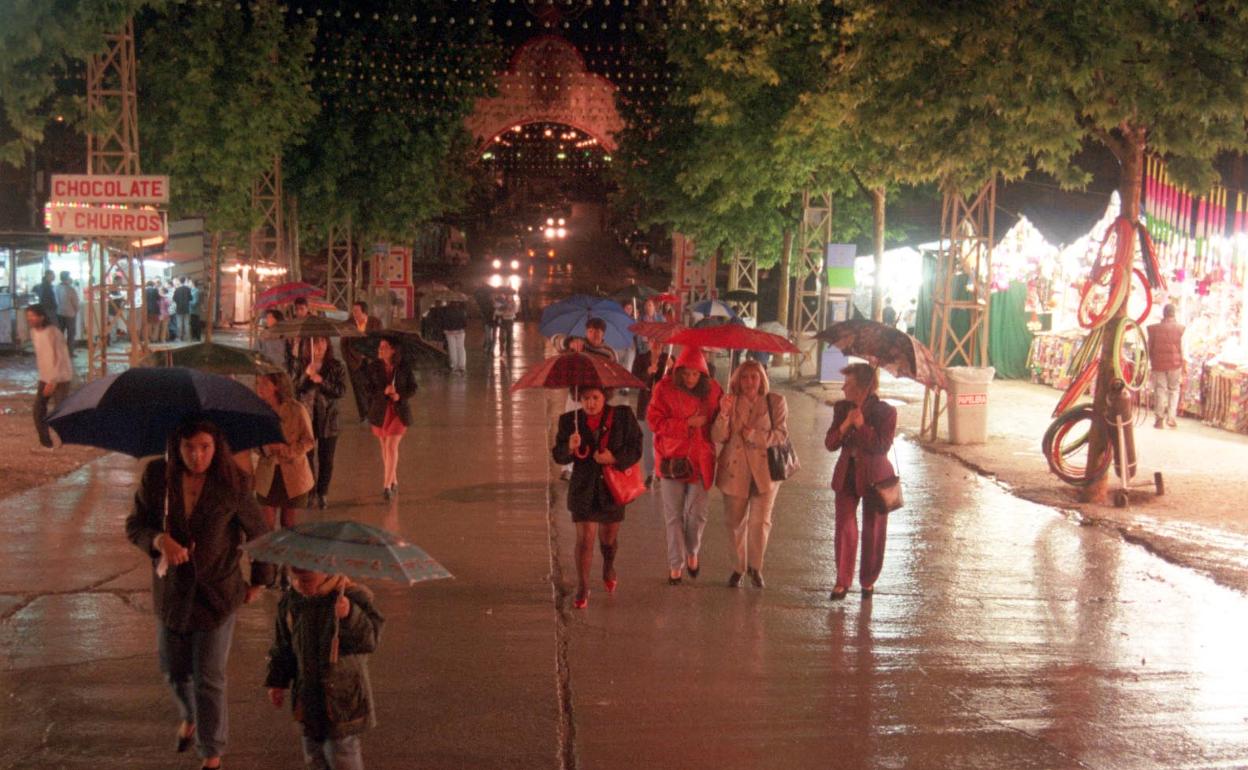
(862, 428)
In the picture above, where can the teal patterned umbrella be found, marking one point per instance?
(349, 548)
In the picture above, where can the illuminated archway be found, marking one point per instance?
(547, 82)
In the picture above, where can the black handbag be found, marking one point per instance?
(676, 468)
(782, 460)
(888, 491)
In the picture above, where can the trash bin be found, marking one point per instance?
(968, 403)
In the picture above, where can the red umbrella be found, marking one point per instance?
(884, 346)
(658, 332)
(286, 293)
(732, 336)
(668, 297)
(572, 369)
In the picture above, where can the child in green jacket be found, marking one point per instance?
(326, 626)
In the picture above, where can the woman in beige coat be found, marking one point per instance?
(283, 475)
(746, 428)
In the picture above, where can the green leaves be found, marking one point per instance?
(222, 93)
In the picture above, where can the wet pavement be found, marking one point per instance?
(1002, 635)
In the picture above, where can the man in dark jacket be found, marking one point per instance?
(1165, 354)
(454, 321)
(182, 310)
(355, 358)
(46, 292)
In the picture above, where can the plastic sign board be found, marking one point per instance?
(839, 261)
(120, 189)
(105, 222)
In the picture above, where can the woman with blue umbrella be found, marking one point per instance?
(191, 511)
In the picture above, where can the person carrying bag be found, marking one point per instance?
(600, 442)
(682, 408)
(862, 430)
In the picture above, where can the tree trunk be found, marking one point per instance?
(208, 305)
(786, 258)
(1130, 185)
(878, 199)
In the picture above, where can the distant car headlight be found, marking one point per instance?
(549, 232)
(561, 232)
(497, 264)
(561, 222)
(514, 282)
(515, 264)
(496, 280)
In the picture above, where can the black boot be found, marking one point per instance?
(608, 565)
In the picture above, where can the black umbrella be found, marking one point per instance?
(634, 292)
(213, 358)
(135, 411)
(416, 350)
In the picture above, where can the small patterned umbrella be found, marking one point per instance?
(658, 332)
(349, 548)
(713, 308)
(572, 369)
(311, 326)
(286, 293)
(886, 347)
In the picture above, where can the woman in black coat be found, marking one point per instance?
(192, 510)
(390, 384)
(593, 436)
(319, 386)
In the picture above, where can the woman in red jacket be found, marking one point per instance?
(682, 408)
(862, 428)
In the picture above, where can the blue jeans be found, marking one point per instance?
(647, 448)
(333, 754)
(194, 666)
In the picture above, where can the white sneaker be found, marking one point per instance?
(565, 475)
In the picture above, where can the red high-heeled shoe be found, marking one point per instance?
(582, 599)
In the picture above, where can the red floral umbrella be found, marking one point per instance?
(658, 332)
(731, 336)
(286, 293)
(886, 347)
(667, 297)
(578, 370)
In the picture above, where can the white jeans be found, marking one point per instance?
(1166, 387)
(455, 347)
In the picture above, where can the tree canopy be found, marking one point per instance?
(43, 45)
(222, 94)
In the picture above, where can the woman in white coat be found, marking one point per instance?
(750, 420)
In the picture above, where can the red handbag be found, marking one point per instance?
(625, 485)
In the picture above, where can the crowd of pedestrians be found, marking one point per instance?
(686, 437)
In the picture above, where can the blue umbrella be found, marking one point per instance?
(135, 411)
(349, 548)
(713, 307)
(568, 317)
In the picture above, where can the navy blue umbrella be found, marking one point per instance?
(135, 411)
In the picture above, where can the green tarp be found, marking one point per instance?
(1009, 340)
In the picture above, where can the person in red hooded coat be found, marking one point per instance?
(682, 408)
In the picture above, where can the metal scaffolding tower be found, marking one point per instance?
(113, 148)
(339, 286)
(962, 289)
(743, 275)
(814, 233)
